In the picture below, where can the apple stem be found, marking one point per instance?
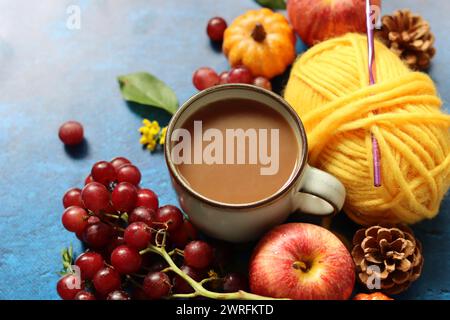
(300, 265)
(259, 33)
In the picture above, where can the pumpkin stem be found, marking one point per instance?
(258, 33)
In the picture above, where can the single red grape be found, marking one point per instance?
(71, 133)
(84, 295)
(155, 265)
(129, 173)
(72, 197)
(234, 282)
(95, 197)
(183, 235)
(118, 295)
(103, 172)
(124, 197)
(89, 263)
(204, 78)
(138, 235)
(97, 235)
(240, 75)
(142, 214)
(114, 243)
(139, 294)
(180, 285)
(126, 259)
(106, 280)
(88, 180)
(223, 77)
(93, 220)
(216, 28)
(147, 198)
(118, 162)
(198, 254)
(263, 83)
(75, 219)
(157, 285)
(68, 286)
(171, 216)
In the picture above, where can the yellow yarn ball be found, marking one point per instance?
(328, 87)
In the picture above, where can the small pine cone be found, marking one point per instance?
(390, 253)
(409, 36)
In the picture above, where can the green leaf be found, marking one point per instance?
(273, 4)
(144, 88)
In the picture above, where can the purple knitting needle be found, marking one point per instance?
(371, 51)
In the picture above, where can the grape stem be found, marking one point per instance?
(199, 290)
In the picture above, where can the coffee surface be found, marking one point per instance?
(240, 183)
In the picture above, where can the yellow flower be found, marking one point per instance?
(162, 136)
(151, 145)
(152, 134)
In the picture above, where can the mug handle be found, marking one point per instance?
(321, 194)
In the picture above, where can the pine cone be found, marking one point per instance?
(410, 37)
(390, 252)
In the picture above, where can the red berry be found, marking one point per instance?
(139, 294)
(156, 265)
(89, 263)
(114, 243)
(118, 162)
(84, 295)
(106, 280)
(183, 235)
(68, 286)
(157, 285)
(240, 75)
(205, 78)
(198, 254)
(103, 172)
(124, 197)
(223, 77)
(71, 133)
(97, 235)
(138, 235)
(126, 259)
(88, 180)
(234, 282)
(142, 214)
(72, 197)
(216, 28)
(95, 197)
(263, 83)
(75, 219)
(171, 216)
(180, 285)
(147, 198)
(129, 173)
(118, 295)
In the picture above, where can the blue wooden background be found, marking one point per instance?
(50, 74)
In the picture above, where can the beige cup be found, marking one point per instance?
(308, 190)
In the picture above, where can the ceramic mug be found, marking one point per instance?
(308, 190)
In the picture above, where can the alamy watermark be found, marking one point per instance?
(73, 21)
(236, 146)
(374, 280)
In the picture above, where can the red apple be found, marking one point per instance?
(318, 20)
(302, 261)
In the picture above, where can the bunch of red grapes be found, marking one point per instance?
(117, 220)
(205, 77)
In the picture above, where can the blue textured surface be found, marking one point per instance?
(50, 74)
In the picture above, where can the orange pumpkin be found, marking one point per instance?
(261, 40)
(372, 296)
